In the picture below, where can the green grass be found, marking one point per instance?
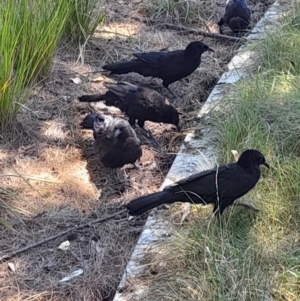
(254, 256)
(84, 18)
(30, 31)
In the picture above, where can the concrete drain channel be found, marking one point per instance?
(196, 154)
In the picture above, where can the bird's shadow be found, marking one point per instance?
(147, 138)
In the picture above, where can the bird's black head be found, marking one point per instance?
(196, 49)
(252, 157)
(170, 115)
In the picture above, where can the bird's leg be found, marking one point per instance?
(161, 91)
(220, 23)
(131, 121)
(171, 92)
(141, 123)
(142, 129)
(224, 203)
(220, 29)
(217, 214)
(238, 34)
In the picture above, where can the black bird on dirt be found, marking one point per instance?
(169, 66)
(116, 142)
(237, 15)
(137, 103)
(220, 186)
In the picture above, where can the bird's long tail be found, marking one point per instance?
(150, 201)
(123, 67)
(91, 98)
(88, 121)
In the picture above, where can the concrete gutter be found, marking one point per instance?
(196, 154)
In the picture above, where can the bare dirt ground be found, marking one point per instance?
(49, 161)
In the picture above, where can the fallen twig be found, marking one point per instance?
(88, 224)
(201, 32)
(158, 24)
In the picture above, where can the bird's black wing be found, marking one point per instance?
(237, 8)
(230, 181)
(226, 183)
(178, 66)
(146, 98)
(121, 91)
(238, 182)
(198, 176)
(153, 97)
(155, 59)
(135, 96)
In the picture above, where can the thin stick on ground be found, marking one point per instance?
(88, 224)
(187, 30)
(200, 32)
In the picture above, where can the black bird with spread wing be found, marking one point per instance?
(220, 186)
(137, 103)
(237, 15)
(115, 142)
(169, 66)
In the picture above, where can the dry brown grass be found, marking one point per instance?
(66, 185)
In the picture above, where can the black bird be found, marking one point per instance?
(220, 186)
(237, 15)
(116, 142)
(137, 103)
(169, 66)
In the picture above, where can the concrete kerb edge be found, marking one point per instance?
(203, 157)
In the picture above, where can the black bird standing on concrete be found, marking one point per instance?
(116, 142)
(237, 15)
(169, 66)
(137, 103)
(220, 186)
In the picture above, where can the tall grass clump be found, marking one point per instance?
(84, 18)
(277, 51)
(252, 256)
(30, 31)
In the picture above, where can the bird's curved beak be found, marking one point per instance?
(178, 127)
(266, 164)
(209, 49)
